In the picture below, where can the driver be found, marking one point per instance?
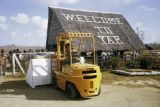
(67, 54)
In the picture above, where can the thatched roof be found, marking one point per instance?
(112, 31)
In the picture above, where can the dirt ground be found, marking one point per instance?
(131, 81)
(14, 92)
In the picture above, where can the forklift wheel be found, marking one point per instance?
(99, 92)
(71, 91)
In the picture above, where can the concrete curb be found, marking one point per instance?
(123, 72)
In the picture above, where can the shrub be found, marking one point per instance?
(146, 62)
(108, 63)
(116, 62)
(134, 63)
(156, 63)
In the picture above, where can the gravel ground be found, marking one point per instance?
(16, 93)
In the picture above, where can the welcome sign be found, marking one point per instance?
(112, 31)
(102, 30)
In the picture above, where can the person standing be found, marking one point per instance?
(2, 63)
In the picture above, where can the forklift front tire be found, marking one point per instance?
(71, 91)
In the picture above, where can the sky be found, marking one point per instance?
(24, 22)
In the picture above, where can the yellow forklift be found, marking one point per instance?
(76, 71)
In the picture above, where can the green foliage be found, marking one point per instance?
(146, 62)
(108, 63)
(142, 62)
(114, 62)
(156, 63)
(134, 63)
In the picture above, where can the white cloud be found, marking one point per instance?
(140, 30)
(146, 8)
(55, 2)
(129, 1)
(41, 33)
(36, 27)
(3, 26)
(140, 26)
(70, 1)
(147, 34)
(152, 37)
(3, 19)
(21, 18)
(40, 22)
(126, 2)
(35, 37)
(19, 34)
(3, 23)
(14, 34)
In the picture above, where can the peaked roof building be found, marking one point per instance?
(111, 31)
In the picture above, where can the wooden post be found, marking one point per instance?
(13, 63)
(16, 59)
(134, 54)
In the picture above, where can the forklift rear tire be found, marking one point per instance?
(99, 92)
(71, 91)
